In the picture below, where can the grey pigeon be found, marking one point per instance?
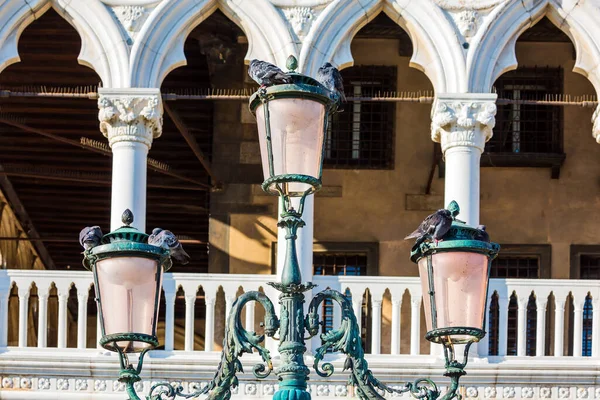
(434, 226)
(167, 240)
(481, 234)
(331, 78)
(267, 74)
(90, 237)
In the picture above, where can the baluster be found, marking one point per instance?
(229, 299)
(483, 347)
(23, 309)
(169, 319)
(190, 301)
(396, 308)
(502, 325)
(82, 300)
(42, 318)
(415, 323)
(63, 298)
(4, 295)
(249, 324)
(540, 330)
(559, 326)
(577, 326)
(376, 326)
(209, 332)
(522, 325)
(357, 302)
(595, 327)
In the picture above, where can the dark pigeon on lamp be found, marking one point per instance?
(90, 237)
(330, 77)
(434, 227)
(482, 234)
(167, 240)
(267, 74)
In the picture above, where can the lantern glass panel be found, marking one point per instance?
(128, 293)
(460, 282)
(297, 131)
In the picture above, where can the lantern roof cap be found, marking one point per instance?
(460, 237)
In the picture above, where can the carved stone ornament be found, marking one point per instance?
(462, 123)
(463, 4)
(467, 15)
(127, 117)
(300, 19)
(596, 124)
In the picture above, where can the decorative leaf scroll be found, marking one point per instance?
(237, 342)
(347, 340)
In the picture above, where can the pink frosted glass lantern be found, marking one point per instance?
(128, 279)
(454, 278)
(292, 121)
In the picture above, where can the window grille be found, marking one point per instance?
(589, 268)
(363, 135)
(347, 264)
(528, 128)
(513, 266)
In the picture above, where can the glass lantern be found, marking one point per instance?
(128, 279)
(292, 122)
(454, 278)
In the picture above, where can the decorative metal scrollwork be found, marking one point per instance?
(237, 341)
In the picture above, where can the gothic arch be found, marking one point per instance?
(102, 46)
(159, 47)
(494, 52)
(436, 51)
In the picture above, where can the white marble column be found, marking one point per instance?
(462, 123)
(376, 326)
(577, 326)
(23, 310)
(415, 324)
(396, 315)
(209, 329)
(82, 300)
(190, 302)
(559, 326)
(63, 298)
(4, 295)
(540, 330)
(130, 119)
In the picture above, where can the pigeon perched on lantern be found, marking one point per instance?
(168, 241)
(436, 225)
(90, 237)
(330, 77)
(267, 74)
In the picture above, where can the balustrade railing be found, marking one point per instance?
(529, 317)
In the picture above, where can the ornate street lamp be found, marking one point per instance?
(292, 122)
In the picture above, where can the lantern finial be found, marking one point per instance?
(291, 63)
(127, 217)
(453, 208)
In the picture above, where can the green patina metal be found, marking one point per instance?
(294, 326)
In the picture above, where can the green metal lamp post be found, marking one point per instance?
(292, 122)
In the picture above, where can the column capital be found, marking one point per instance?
(463, 119)
(596, 124)
(130, 115)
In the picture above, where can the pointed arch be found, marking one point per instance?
(159, 47)
(103, 48)
(494, 50)
(437, 52)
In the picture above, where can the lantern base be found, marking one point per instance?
(455, 335)
(273, 184)
(134, 342)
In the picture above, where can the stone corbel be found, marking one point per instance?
(463, 119)
(130, 115)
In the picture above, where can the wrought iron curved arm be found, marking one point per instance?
(236, 342)
(347, 340)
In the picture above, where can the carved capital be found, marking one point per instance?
(130, 115)
(464, 120)
(596, 124)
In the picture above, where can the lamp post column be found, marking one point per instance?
(462, 123)
(130, 119)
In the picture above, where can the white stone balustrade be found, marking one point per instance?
(395, 302)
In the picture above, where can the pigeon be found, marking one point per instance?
(482, 234)
(167, 240)
(331, 78)
(90, 237)
(267, 74)
(435, 226)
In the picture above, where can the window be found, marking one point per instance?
(525, 134)
(585, 264)
(363, 135)
(348, 259)
(525, 262)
